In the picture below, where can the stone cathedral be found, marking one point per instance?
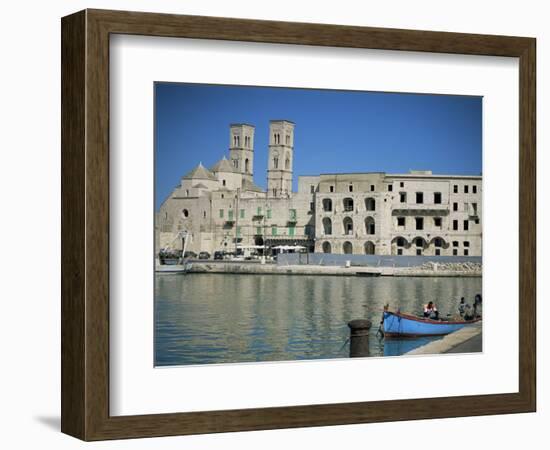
(221, 209)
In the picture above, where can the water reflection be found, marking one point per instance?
(218, 318)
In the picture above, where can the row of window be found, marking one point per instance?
(403, 195)
(292, 214)
(419, 223)
(370, 204)
(369, 249)
(276, 163)
(420, 242)
(402, 185)
(277, 138)
(291, 231)
(347, 223)
(236, 165)
(237, 141)
(466, 252)
(274, 231)
(466, 189)
(350, 187)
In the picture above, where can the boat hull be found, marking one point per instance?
(404, 325)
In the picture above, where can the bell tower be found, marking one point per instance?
(281, 152)
(241, 149)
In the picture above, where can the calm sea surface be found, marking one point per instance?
(225, 318)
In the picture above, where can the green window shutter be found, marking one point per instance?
(269, 214)
(274, 231)
(293, 214)
(230, 214)
(258, 230)
(221, 213)
(238, 231)
(291, 231)
(259, 211)
(242, 213)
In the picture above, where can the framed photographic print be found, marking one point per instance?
(270, 224)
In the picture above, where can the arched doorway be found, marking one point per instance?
(370, 204)
(348, 226)
(327, 205)
(369, 225)
(348, 204)
(327, 247)
(327, 226)
(369, 248)
(347, 248)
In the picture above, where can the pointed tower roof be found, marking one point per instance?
(223, 165)
(200, 173)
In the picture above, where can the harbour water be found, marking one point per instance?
(227, 318)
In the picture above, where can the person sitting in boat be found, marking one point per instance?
(430, 311)
(469, 312)
(461, 307)
(477, 306)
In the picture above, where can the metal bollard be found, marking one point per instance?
(359, 338)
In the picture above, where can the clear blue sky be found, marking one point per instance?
(336, 131)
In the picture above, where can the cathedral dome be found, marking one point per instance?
(200, 173)
(223, 165)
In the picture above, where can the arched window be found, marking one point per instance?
(348, 225)
(348, 204)
(369, 248)
(276, 163)
(287, 164)
(287, 139)
(185, 213)
(370, 225)
(400, 242)
(327, 247)
(327, 226)
(438, 242)
(348, 248)
(246, 165)
(223, 182)
(419, 242)
(370, 204)
(327, 204)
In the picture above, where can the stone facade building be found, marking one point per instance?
(221, 208)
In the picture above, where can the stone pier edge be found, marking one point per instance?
(449, 342)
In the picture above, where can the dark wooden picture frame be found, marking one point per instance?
(85, 224)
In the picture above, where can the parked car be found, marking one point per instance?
(218, 255)
(190, 254)
(204, 255)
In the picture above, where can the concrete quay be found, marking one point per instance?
(467, 340)
(309, 269)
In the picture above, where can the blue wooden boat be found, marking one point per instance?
(397, 324)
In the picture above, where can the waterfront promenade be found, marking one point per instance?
(424, 270)
(466, 340)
